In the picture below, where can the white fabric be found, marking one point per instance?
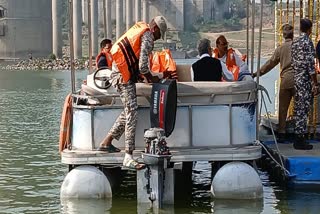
(243, 67)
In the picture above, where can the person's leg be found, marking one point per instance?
(284, 102)
(118, 127)
(129, 99)
(303, 99)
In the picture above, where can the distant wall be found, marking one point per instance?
(27, 28)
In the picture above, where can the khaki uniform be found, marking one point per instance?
(283, 55)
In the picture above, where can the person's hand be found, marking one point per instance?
(254, 74)
(152, 78)
(315, 90)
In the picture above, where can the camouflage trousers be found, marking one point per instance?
(127, 120)
(302, 103)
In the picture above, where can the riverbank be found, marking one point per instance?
(45, 64)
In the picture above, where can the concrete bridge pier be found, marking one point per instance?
(56, 28)
(129, 14)
(94, 27)
(137, 10)
(108, 17)
(119, 18)
(77, 29)
(145, 11)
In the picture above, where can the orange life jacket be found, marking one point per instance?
(163, 61)
(108, 58)
(126, 51)
(230, 62)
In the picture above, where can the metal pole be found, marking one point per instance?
(73, 87)
(248, 26)
(252, 34)
(258, 66)
(89, 37)
(276, 25)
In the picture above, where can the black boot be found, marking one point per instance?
(281, 137)
(300, 143)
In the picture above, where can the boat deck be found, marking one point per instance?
(77, 157)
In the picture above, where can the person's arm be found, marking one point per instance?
(270, 64)
(191, 74)
(147, 44)
(226, 74)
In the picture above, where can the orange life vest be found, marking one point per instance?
(230, 62)
(108, 58)
(163, 61)
(126, 51)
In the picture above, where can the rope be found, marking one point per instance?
(281, 165)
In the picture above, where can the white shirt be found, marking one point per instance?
(243, 67)
(227, 75)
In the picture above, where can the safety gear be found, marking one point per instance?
(162, 62)
(126, 51)
(230, 62)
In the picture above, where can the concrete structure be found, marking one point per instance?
(56, 28)
(145, 10)
(137, 10)
(129, 14)
(108, 17)
(119, 19)
(26, 27)
(94, 27)
(77, 29)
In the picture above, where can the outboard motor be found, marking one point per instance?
(157, 180)
(163, 109)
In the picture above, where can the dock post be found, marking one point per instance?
(155, 184)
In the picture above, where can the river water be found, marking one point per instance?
(31, 173)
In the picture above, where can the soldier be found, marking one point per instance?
(130, 56)
(302, 54)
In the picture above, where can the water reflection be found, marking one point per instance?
(237, 206)
(78, 206)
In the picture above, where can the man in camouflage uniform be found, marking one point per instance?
(303, 54)
(127, 120)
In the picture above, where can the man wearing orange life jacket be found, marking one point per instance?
(104, 59)
(230, 61)
(130, 56)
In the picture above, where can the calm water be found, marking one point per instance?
(31, 173)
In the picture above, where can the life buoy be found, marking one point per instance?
(65, 126)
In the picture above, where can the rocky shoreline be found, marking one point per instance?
(46, 64)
